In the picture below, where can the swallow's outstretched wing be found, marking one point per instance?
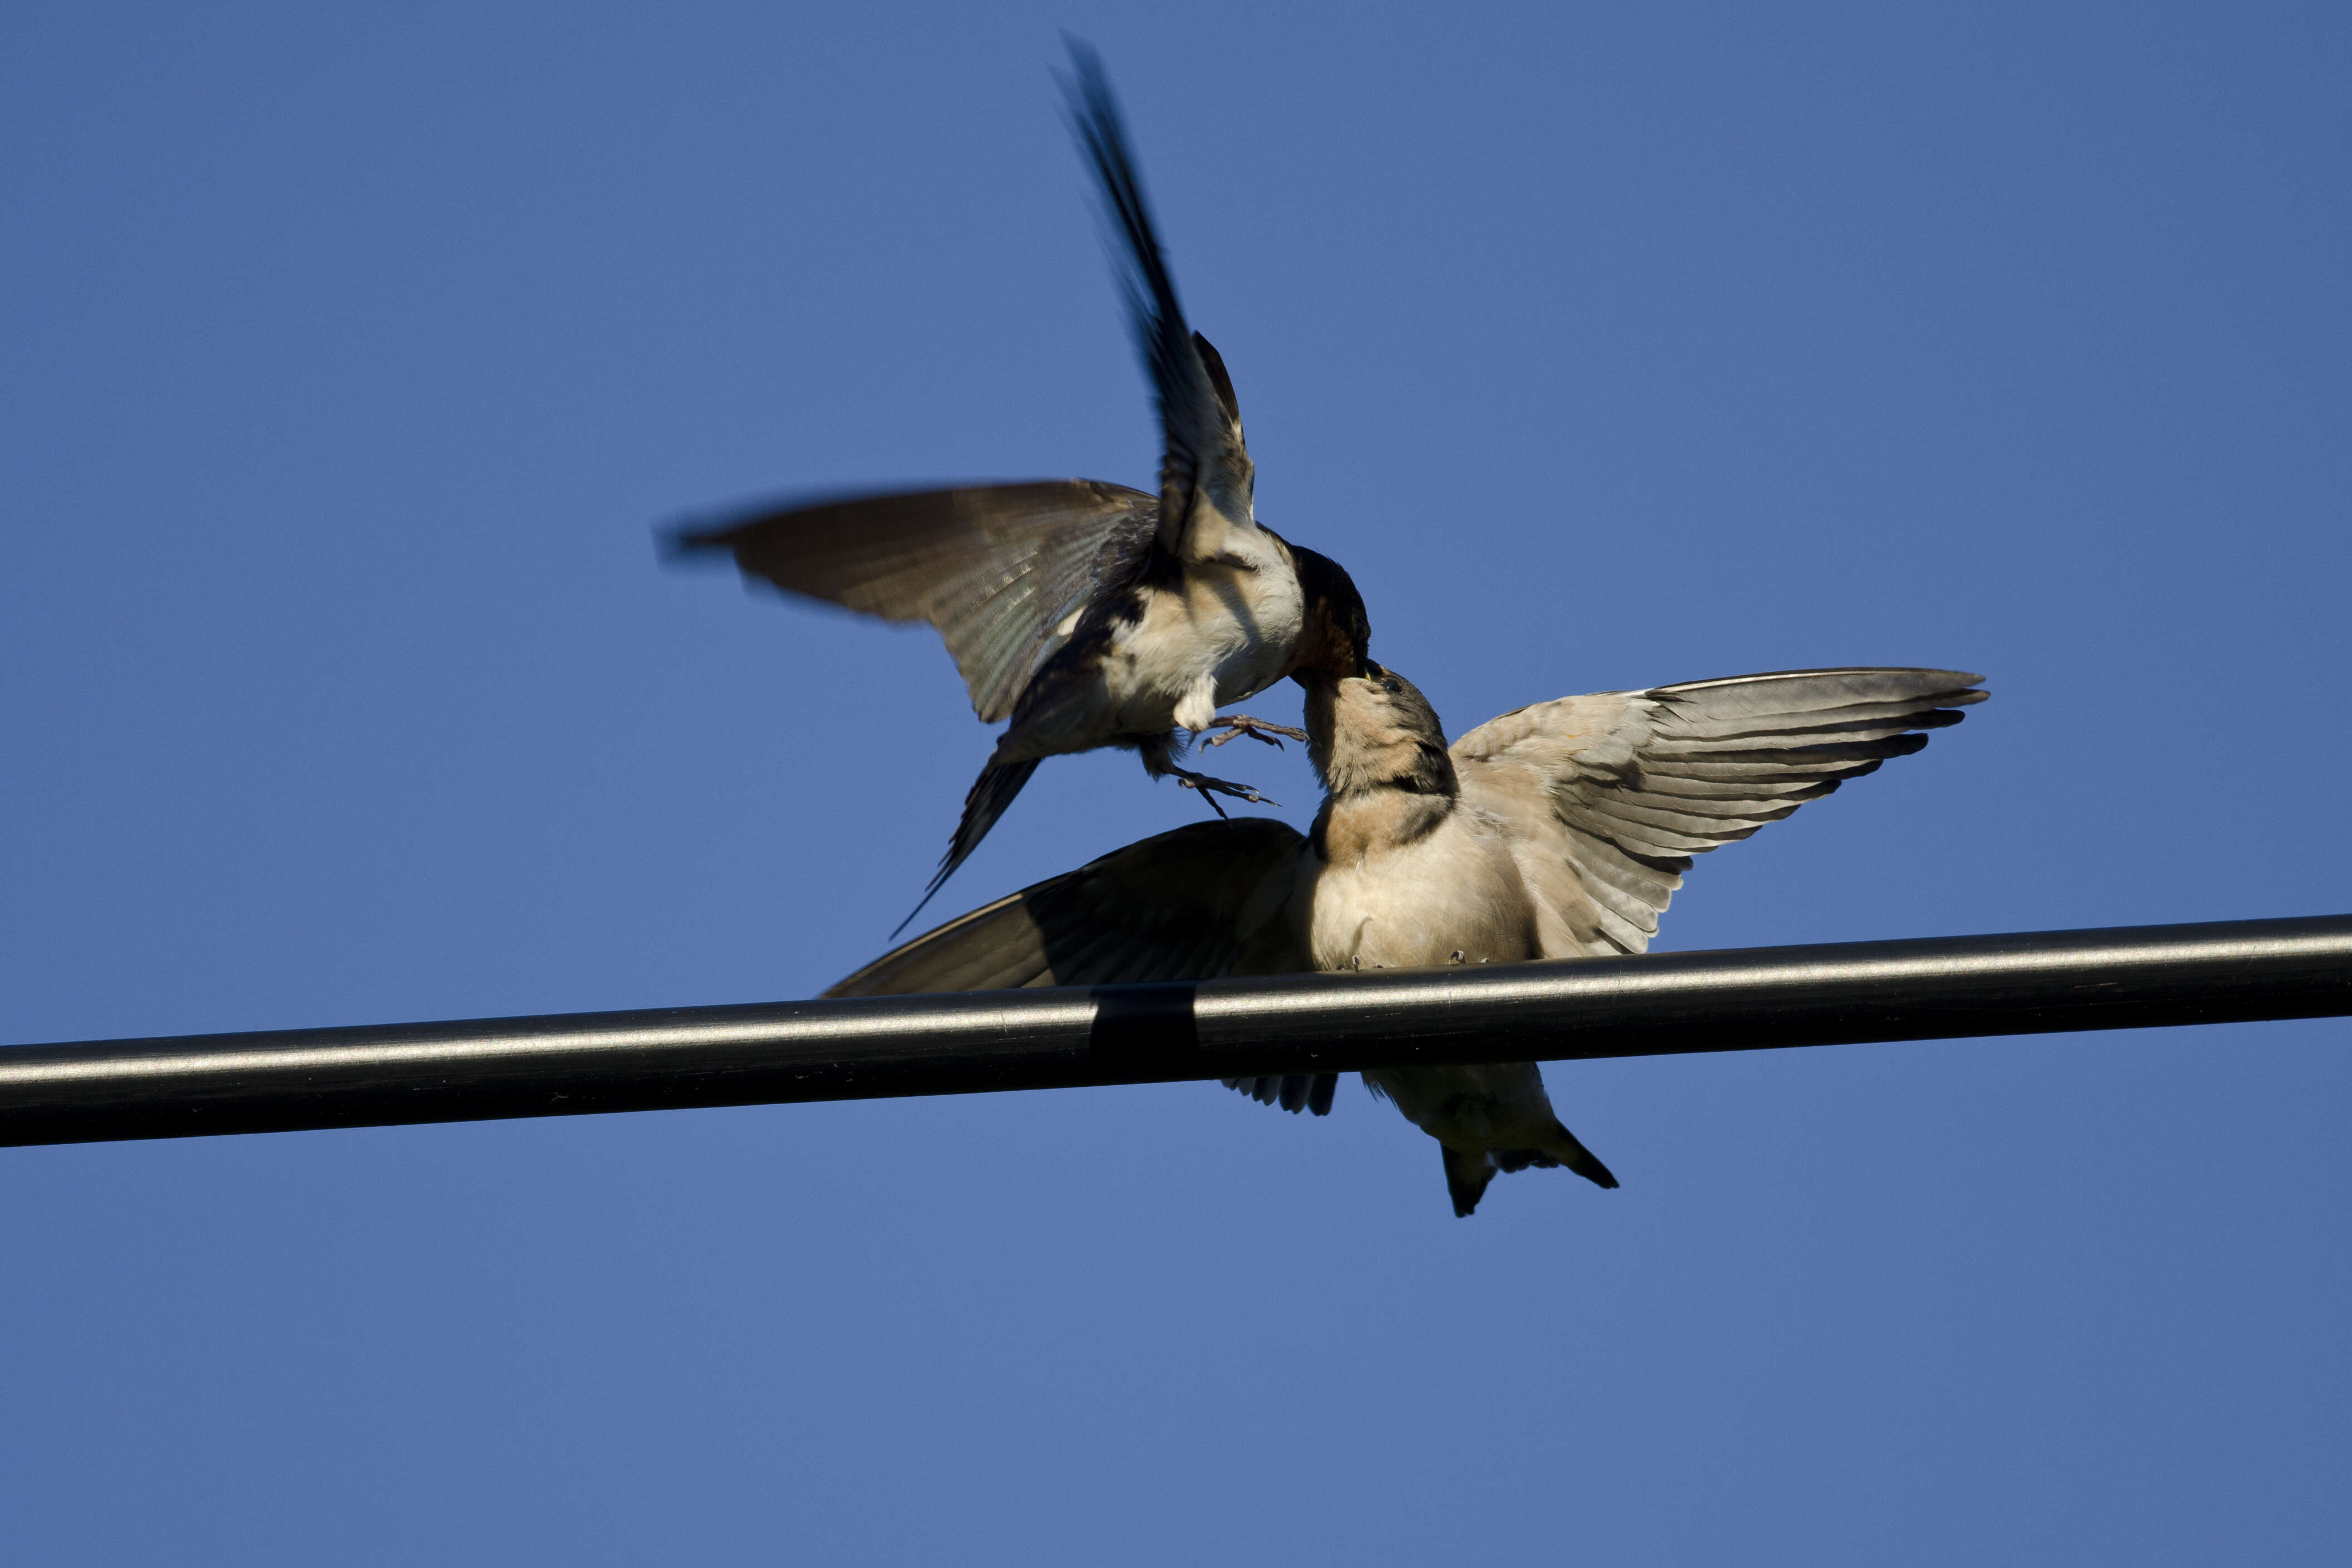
(1191, 905)
(1005, 571)
(1606, 798)
(1207, 900)
(1206, 479)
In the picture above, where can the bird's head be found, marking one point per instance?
(1338, 636)
(1375, 731)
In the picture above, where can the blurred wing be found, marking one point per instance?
(1204, 462)
(1607, 798)
(1203, 901)
(1002, 570)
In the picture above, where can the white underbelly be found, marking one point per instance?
(1228, 635)
(1415, 907)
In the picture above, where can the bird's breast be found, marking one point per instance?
(1223, 630)
(1415, 906)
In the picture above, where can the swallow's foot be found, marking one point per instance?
(1211, 788)
(1237, 725)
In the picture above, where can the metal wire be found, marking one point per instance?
(570, 1064)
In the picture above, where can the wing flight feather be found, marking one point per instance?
(1201, 902)
(1203, 459)
(1606, 798)
(1191, 905)
(1001, 571)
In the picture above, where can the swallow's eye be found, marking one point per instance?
(1390, 686)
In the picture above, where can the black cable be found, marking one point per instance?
(569, 1064)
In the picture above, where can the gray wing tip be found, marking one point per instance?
(690, 543)
(1925, 692)
(1925, 681)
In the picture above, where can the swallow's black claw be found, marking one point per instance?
(1256, 728)
(1211, 788)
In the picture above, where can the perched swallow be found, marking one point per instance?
(1558, 830)
(1090, 614)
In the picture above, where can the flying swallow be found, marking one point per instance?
(1557, 830)
(1088, 613)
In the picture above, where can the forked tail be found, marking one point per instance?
(991, 792)
(1468, 1173)
(1564, 1146)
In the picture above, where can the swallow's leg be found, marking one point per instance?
(1237, 725)
(1160, 753)
(1211, 788)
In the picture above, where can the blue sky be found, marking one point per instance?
(351, 354)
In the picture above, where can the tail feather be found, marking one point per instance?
(1561, 1148)
(1564, 1147)
(1466, 1177)
(1293, 1091)
(991, 792)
